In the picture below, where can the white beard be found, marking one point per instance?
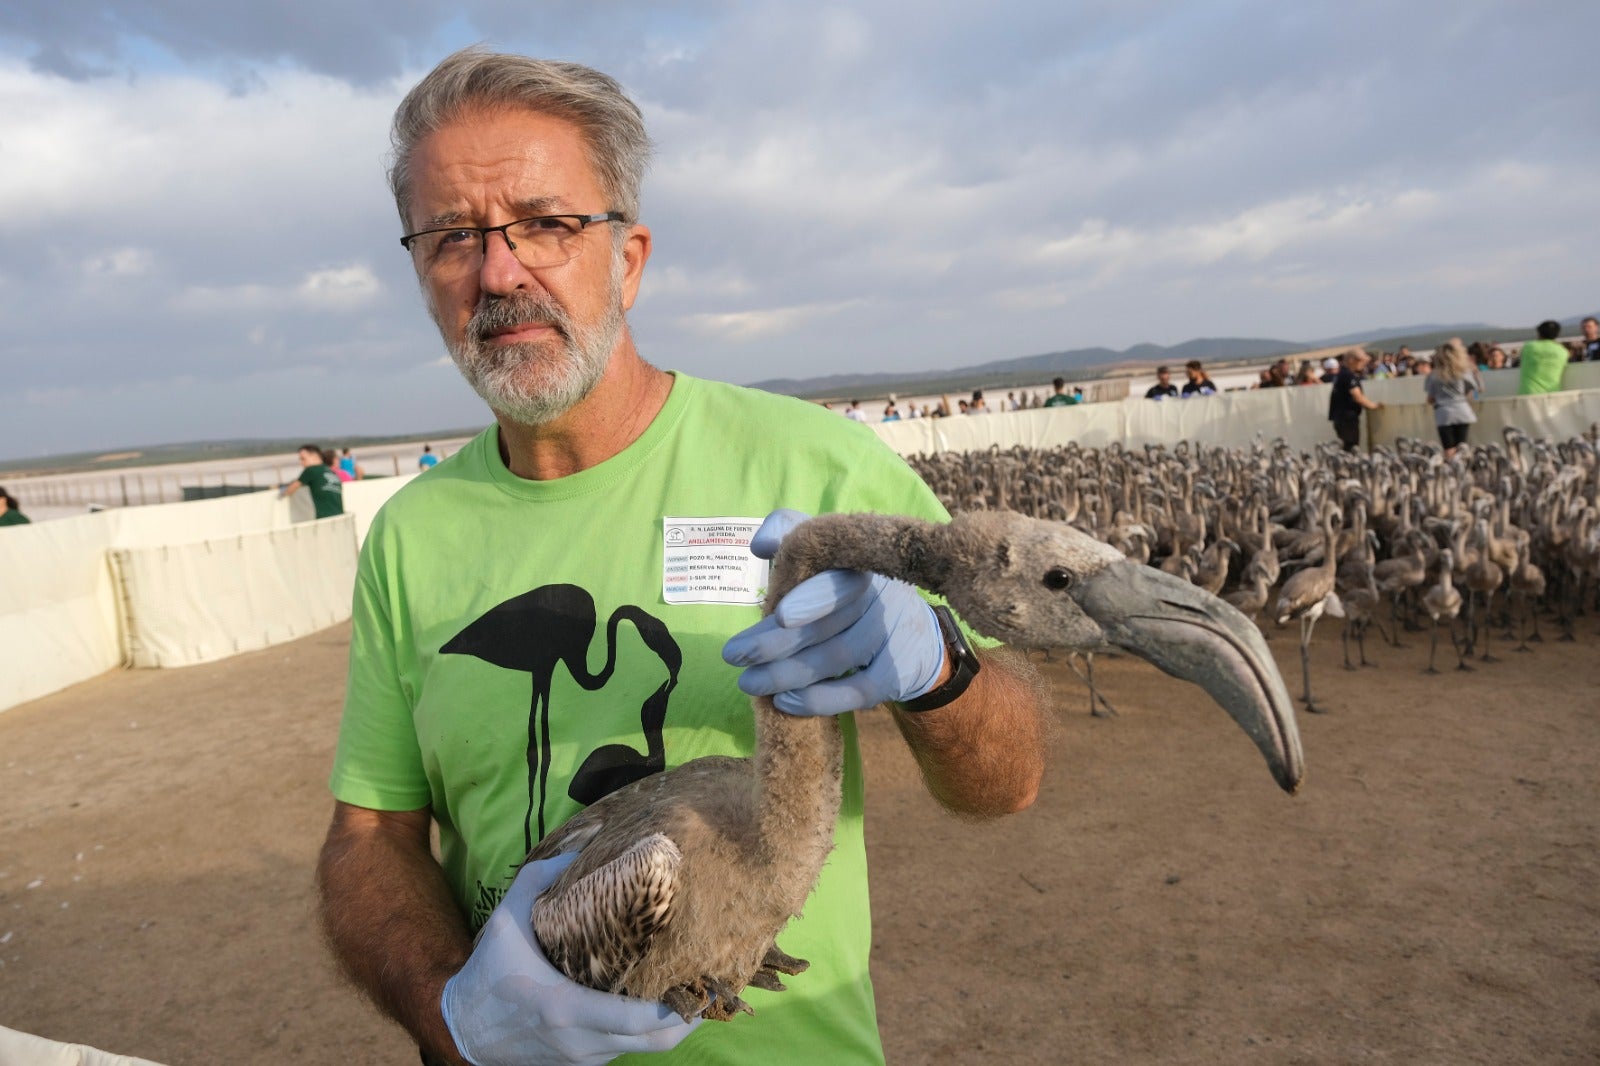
(536, 382)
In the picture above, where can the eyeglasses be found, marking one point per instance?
(542, 241)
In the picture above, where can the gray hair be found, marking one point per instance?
(611, 124)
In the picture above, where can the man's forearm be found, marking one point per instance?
(984, 754)
(390, 919)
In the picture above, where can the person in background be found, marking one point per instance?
(1308, 374)
(1591, 339)
(1496, 359)
(854, 412)
(1347, 401)
(427, 460)
(1163, 389)
(1330, 370)
(1276, 376)
(1060, 398)
(330, 459)
(1450, 389)
(1198, 384)
(11, 510)
(1421, 366)
(347, 466)
(327, 492)
(891, 413)
(978, 406)
(1544, 361)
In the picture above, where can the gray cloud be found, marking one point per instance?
(196, 233)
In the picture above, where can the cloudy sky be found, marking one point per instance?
(196, 241)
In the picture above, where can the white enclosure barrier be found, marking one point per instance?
(194, 603)
(1300, 415)
(1553, 416)
(58, 611)
(24, 1049)
(1297, 415)
(61, 611)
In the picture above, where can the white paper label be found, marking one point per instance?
(708, 560)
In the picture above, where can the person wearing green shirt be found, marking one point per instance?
(11, 511)
(327, 491)
(1543, 361)
(1061, 398)
(552, 614)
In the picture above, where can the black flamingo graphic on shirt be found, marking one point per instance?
(555, 624)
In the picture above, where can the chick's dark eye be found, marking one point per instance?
(1057, 579)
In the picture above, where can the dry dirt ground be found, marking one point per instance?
(1430, 897)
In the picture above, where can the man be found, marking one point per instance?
(1330, 370)
(11, 511)
(517, 183)
(1591, 339)
(1163, 389)
(1347, 401)
(1061, 397)
(1198, 384)
(427, 460)
(327, 491)
(854, 412)
(1544, 361)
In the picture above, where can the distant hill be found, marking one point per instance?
(1029, 369)
(1083, 363)
(1367, 336)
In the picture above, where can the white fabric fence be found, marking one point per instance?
(24, 1049)
(64, 611)
(195, 603)
(1297, 414)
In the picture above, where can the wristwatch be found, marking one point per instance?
(963, 667)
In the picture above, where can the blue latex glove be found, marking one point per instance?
(509, 1007)
(833, 623)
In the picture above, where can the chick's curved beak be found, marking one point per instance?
(1193, 635)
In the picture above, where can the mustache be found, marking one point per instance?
(498, 313)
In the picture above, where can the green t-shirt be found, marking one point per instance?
(327, 491)
(13, 517)
(1061, 399)
(560, 580)
(1543, 363)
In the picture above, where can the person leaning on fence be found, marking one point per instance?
(1347, 401)
(327, 492)
(1450, 387)
(11, 510)
(1198, 384)
(1590, 328)
(1543, 362)
(1061, 397)
(512, 566)
(1163, 389)
(427, 460)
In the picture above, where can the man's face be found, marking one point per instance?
(1591, 330)
(533, 343)
(309, 458)
(1165, 377)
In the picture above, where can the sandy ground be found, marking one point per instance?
(1430, 897)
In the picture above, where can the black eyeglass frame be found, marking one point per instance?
(583, 221)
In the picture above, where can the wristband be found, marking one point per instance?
(964, 667)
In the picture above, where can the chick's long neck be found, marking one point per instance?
(799, 761)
